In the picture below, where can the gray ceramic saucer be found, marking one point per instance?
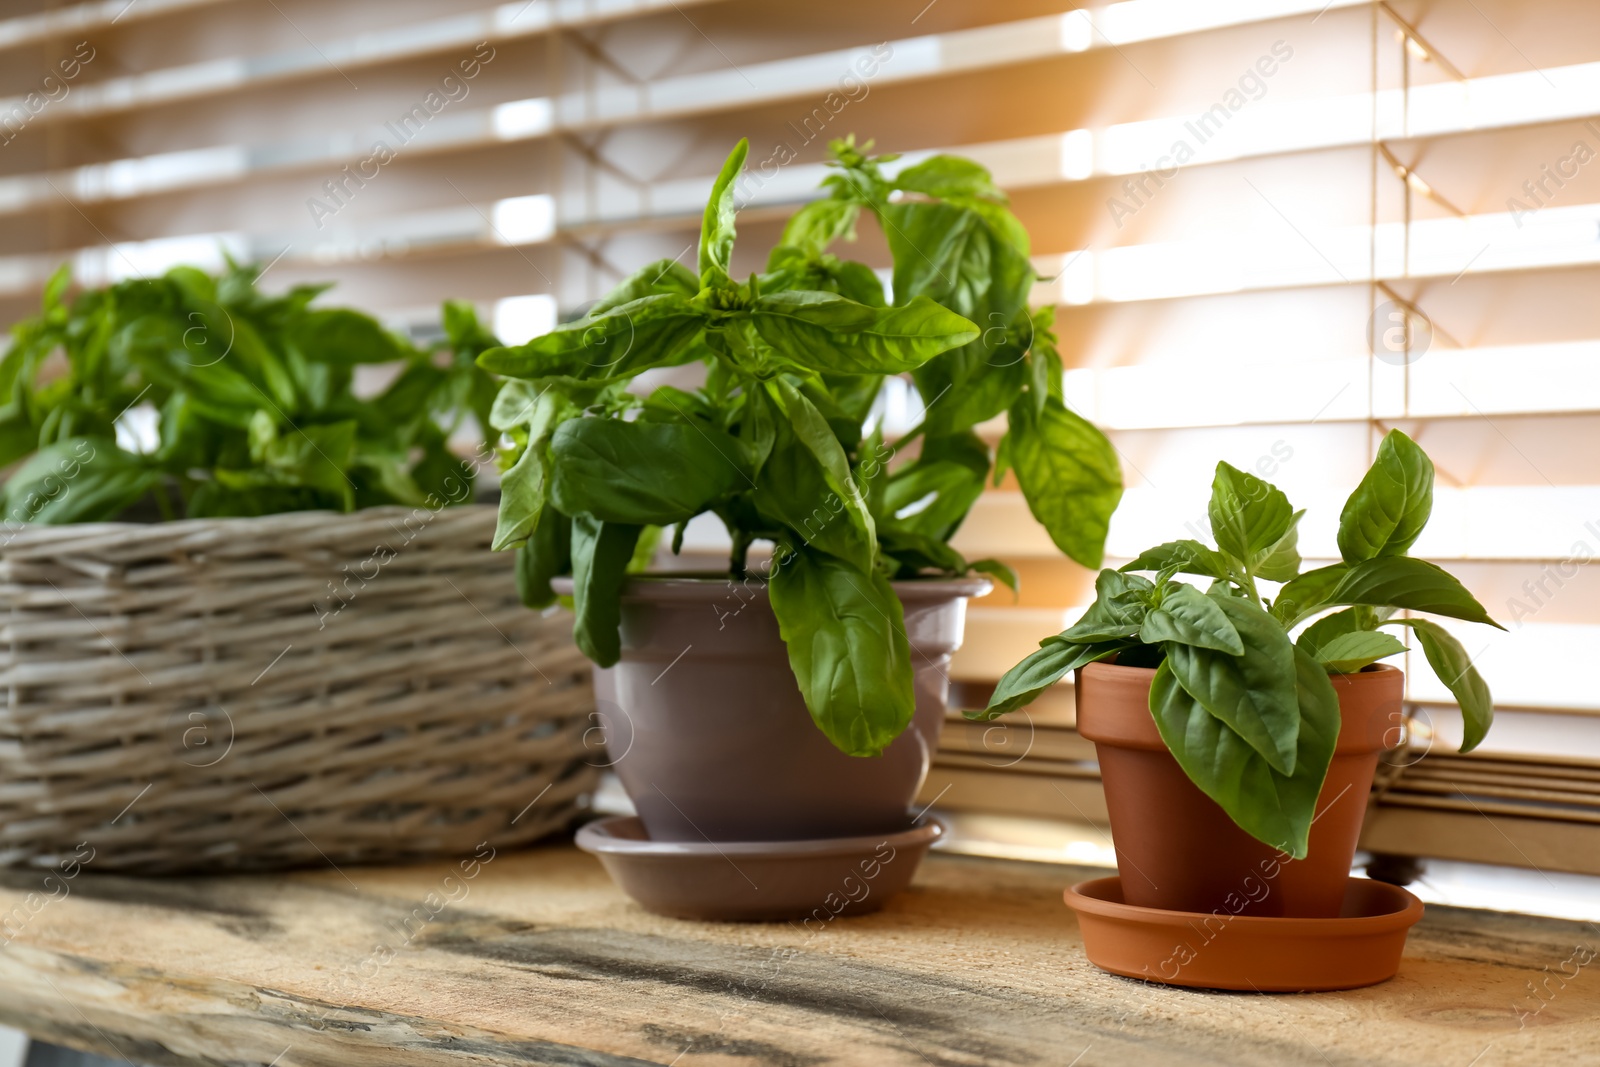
(806, 881)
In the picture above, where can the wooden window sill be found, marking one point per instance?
(540, 960)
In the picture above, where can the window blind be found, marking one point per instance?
(1273, 228)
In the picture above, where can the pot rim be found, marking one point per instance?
(1406, 910)
(1371, 670)
(696, 585)
(597, 836)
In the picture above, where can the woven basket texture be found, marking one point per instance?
(306, 688)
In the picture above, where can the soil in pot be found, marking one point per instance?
(705, 725)
(1178, 850)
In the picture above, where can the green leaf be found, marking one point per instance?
(1325, 629)
(1387, 511)
(1348, 653)
(515, 404)
(1022, 684)
(716, 228)
(653, 331)
(524, 489)
(600, 555)
(846, 637)
(642, 473)
(816, 226)
(1307, 594)
(305, 457)
(1248, 516)
(999, 571)
(1274, 808)
(1069, 476)
(1254, 693)
(1121, 601)
(1454, 668)
(933, 493)
(794, 489)
(342, 336)
(1187, 557)
(827, 332)
(1403, 582)
(856, 537)
(947, 176)
(79, 479)
(1281, 562)
(546, 553)
(1189, 617)
(917, 552)
(664, 277)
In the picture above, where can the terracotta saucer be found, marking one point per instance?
(758, 880)
(1222, 951)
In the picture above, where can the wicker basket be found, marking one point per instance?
(192, 695)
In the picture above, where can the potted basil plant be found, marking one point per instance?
(1228, 747)
(738, 705)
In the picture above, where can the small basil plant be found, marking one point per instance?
(766, 429)
(1247, 711)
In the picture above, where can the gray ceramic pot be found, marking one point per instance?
(705, 725)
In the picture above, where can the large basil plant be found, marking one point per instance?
(772, 443)
(256, 411)
(1249, 713)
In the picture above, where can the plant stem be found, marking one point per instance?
(738, 556)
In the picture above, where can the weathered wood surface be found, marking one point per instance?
(540, 960)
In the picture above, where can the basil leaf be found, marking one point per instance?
(827, 332)
(653, 331)
(951, 254)
(78, 479)
(1121, 601)
(342, 336)
(1189, 557)
(946, 176)
(999, 571)
(642, 473)
(846, 636)
(524, 488)
(1386, 513)
(1248, 516)
(795, 489)
(664, 277)
(917, 552)
(1022, 684)
(1404, 582)
(1454, 668)
(1069, 476)
(716, 226)
(811, 432)
(310, 457)
(1189, 617)
(1325, 629)
(1253, 693)
(215, 388)
(815, 226)
(1348, 653)
(1307, 594)
(1281, 562)
(600, 555)
(546, 553)
(855, 393)
(1274, 808)
(932, 498)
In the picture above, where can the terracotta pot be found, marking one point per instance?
(1176, 848)
(705, 725)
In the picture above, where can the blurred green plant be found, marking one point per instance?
(255, 410)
